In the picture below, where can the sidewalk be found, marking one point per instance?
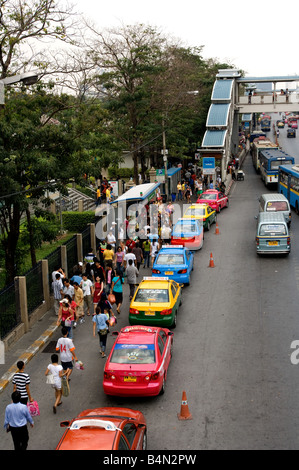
(27, 347)
(38, 336)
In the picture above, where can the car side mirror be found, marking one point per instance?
(115, 333)
(255, 217)
(65, 424)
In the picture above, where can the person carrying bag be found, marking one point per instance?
(101, 324)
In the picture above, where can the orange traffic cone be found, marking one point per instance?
(184, 413)
(211, 265)
(217, 230)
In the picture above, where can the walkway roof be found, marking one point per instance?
(218, 115)
(282, 78)
(214, 138)
(222, 90)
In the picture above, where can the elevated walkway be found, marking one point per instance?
(233, 96)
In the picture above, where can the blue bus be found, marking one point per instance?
(270, 160)
(288, 184)
(266, 123)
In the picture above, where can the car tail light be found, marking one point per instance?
(167, 311)
(109, 375)
(182, 271)
(134, 311)
(257, 241)
(155, 376)
(156, 271)
(288, 240)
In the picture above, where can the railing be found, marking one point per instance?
(34, 287)
(10, 314)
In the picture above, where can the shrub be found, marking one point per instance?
(76, 221)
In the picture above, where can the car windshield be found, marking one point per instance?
(133, 354)
(273, 229)
(170, 259)
(195, 211)
(207, 196)
(184, 228)
(152, 295)
(276, 206)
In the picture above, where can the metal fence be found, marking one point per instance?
(86, 241)
(10, 316)
(34, 286)
(54, 262)
(72, 254)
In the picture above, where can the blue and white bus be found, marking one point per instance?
(288, 184)
(270, 160)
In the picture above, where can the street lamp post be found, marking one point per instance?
(27, 78)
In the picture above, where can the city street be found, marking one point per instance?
(232, 348)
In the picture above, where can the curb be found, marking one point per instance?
(27, 355)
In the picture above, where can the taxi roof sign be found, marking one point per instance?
(155, 279)
(172, 246)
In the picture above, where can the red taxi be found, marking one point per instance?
(109, 428)
(138, 362)
(214, 198)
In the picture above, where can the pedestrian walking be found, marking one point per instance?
(17, 417)
(137, 251)
(79, 299)
(154, 251)
(101, 324)
(88, 290)
(66, 348)
(21, 381)
(68, 289)
(132, 273)
(57, 371)
(98, 290)
(57, 291)
(117, 289)
(146, 252)
(66, 316)
(119, 258)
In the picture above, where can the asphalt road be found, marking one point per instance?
(232, 349)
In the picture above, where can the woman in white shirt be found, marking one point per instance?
(57, 371)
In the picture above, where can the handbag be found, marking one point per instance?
(33, 408)
(65, 388)
(111, 298)
(50, 379)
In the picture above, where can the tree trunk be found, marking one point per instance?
(31, 238)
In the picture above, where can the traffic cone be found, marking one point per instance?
(211, 265)
(217, 229)
(184, 413)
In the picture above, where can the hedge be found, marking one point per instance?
(76, 221)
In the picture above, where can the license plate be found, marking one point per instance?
(149, 314)
(273, 243)
(130, 379)
(168, 272)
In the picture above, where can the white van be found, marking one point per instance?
(275, 202)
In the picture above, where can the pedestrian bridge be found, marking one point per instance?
(234, 99)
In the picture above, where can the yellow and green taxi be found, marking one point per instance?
(156, 302)
(202, 212)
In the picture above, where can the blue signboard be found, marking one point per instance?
(208, 165)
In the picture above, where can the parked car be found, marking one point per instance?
(108, 428)
(156, 302)
(175, 262)
(203, 213)
(216, 199)
(188, 232)
(291, 132)
(138, 362)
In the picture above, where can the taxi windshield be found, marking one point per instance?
(210, 197)
(152, 295)
(273, 229)
(184, 227)
(195, 211)
(133, 354)
(170, 259)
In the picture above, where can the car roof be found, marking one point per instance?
(96, 429)
(137, 333)
(271, 217)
